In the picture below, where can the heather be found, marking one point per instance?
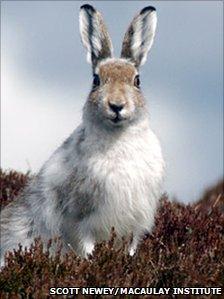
(186, 248)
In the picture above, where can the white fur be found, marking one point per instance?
(145, 35)
(129, 174)
(94, 42)
(97, 46)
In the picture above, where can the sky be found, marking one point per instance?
(45, 80)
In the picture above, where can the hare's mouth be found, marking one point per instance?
(117, 119)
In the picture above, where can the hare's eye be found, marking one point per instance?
(96, 80)
(137, 81)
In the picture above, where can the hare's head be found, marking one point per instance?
(116, 98)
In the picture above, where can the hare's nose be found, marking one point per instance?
(116, 107)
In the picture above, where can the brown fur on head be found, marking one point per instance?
(117, 88)
(115, 97)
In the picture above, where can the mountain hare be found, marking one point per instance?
(109, 171)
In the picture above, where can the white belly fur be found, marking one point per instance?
(127, 172)
(129, 175)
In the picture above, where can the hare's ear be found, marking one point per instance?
(94, 35)
(139, 37)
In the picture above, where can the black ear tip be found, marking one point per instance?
(147, 9)
(88, 7)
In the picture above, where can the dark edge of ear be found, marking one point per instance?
(88, 7)
(147, 8)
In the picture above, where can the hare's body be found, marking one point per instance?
(89, 186)
(106, 174)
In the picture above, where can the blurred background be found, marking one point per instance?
(45, 80)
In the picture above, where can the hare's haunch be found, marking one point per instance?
(108, 173)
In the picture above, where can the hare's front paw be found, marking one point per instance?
(132, 251)
(88, 247)
(133, 246)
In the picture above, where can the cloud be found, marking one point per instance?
(192, 142)
(34, 122)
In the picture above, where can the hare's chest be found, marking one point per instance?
(121, 173)
(123, 176)
(123, 192)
